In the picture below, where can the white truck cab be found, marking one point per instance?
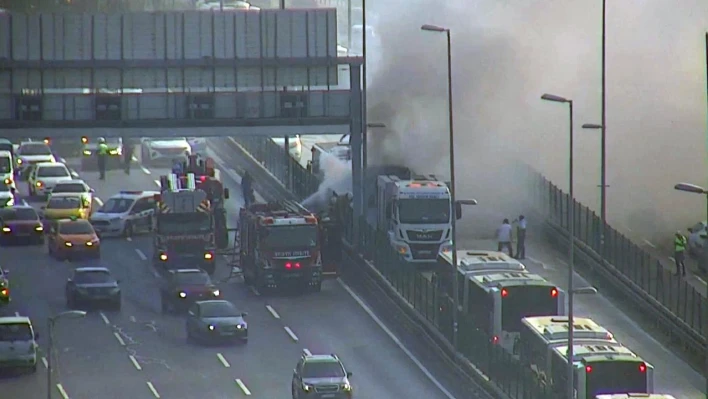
(417, 215)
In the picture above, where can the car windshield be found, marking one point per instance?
(5, 165)
(322, 370)
(64, 203)
(93, 277)
(192, 278)
(69, 188)
(75, 228)
(34, 149)
(53, 171)
(117, 205)
(15, 332)
(219, 309)
(15, 214)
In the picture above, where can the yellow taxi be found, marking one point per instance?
(67, 205)
(72, 238)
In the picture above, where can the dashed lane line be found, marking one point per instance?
(17, 314)
(128, 238)
(119, 338)
(649, 243)
(98, 201)
(243, 387)
(145, 170)
(273, 312)
(105, 319)
(157, 182)
(223, 360)
(135, 362)
(291, 333)
(45, 362)
(307, 352)
(395, 339)
(140, 254)
(62, 391)
(153, 390)
(255, 291)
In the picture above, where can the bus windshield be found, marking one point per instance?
(526, 301)
(612, 376)
(184, 223)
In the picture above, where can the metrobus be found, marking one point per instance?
(610, 368)
(540, 335)
(497, 301)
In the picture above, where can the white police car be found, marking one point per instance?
(125, 213)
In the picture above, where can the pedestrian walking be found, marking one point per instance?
(680, 243)
(102, 155)
(504, 237)
(521, 237)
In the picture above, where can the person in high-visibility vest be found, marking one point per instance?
(680, 243)
(102, 155)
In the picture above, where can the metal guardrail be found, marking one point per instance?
(676, 307)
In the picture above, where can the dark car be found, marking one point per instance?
(320, 377)
(182, 287)
(21, 224)
(216, 320)
(92, 286)
(4, 287)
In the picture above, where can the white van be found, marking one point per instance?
(7, 169)
(18, 344)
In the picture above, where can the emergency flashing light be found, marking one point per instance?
(588, 369)
(289, 265)
(642, 368)
(504, 293)
(554, 292)
(495, 340)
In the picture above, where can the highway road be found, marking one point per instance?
(141, 353)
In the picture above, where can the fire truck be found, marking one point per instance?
(184, 234)
(208, 179)
(281, 246)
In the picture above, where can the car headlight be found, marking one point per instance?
(211, 327)
(346, 387)
(402, 249)
(39, 228)
(306, 388)
(19, 161)
(182, 294)
(240, 326)
(6, 229)
(208, 256)
(89, 243)
(87, 152)
(68, 244)
(163, 256)
(8, 181)
(216, 292)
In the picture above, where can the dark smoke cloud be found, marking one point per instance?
(505, 55)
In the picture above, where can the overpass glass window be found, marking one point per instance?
(15, 332)
(34, 149)
(526, 301)
(117, 205)
(53, 171)
(5, 165)
(290, 236)
(423, 211)
(323, 370)
(76, 228)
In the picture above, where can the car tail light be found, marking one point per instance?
(288, 265)
(642, 368)
(5, 292)
(554, 293)
(588, 369)
(495, 340)
(504, 293)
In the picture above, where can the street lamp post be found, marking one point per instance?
(571, 236)
(692, 188)
(453, 218)
(70, 314)
(603, 134)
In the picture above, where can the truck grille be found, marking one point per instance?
(425, 251)
(419, 235)
(326, 388)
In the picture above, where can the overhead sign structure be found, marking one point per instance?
(242, 69)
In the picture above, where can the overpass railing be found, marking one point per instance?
(617, 264)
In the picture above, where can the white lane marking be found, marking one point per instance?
(98, 201)
(307, 352)
(649, 244)
(157, 182)
(291, 333)
(395, 340)
(119, 338)
(273, 312)
(45, 362)
(140, 254)
(62, 391)
(699, 278)
(132, 319)
(128, 238)
(135, 362)
(145, 170)
(222, 359)
(105, 319)
(243, 387)
(134, 159)
(17, 314)
(255, 291)
(153, 390)
(671, 258)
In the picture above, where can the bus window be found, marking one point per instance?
(525, 301)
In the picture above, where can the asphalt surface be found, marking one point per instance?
(141, 353)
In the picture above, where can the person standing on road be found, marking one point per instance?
(504, 237)
(521, 237)
(247, 188)
(102, 155)
(680, 243)
(127, 154)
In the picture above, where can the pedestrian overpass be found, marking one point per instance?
(188, 73)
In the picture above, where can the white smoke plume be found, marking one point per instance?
(337, 178)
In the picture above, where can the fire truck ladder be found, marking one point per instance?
(173, 183)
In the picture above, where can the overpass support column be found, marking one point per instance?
(356, 130)
(288, 173)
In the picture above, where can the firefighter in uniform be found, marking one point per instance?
(102, 155)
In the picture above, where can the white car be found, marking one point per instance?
(32, 152)
(44, 176)
(125, 213)
(165, 150)
(294, 143)
(697, 238)
(7, 176)
(197, 144)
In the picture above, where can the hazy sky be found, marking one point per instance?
(506, 53)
